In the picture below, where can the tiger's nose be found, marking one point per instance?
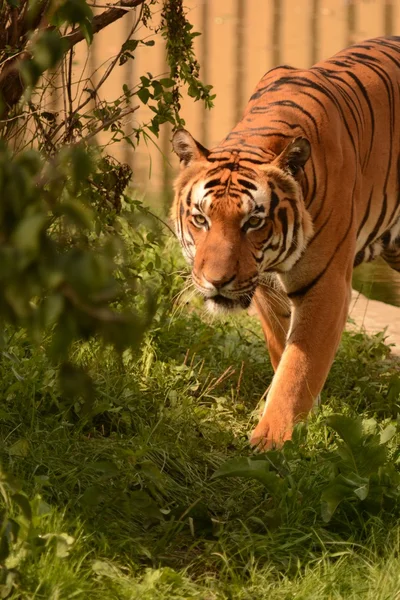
(219, 282)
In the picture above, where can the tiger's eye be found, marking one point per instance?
(199, 220)
(254, 221)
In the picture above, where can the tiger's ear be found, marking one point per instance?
(187, 148)
(294, 156)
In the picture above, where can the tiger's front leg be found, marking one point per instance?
(318, 319)
(274, 311)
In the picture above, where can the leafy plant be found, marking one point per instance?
(39, 39)
(362, 471)
(66, 271)
(24, 535)
(359, 472)
(131, 482)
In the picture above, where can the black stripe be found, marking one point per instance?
(359, 258)
(366, 215)
(301, 292)
(282, 217)
(274, 203)
(247, 184)
(212, 183)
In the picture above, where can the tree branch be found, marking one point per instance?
(101, 21)
(110, 121)
(11, 84)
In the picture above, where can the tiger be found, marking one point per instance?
(305, 187)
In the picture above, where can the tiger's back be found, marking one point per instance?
(326, 201)
(349, 106)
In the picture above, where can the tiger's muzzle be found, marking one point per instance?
(221, 295)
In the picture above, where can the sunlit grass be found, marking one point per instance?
(130, 478)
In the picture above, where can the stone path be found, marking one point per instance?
(374, 316)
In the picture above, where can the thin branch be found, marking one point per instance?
(126, 9)
(101, 21)
(14, 28)
(110, 121)
(47, 141)
(96, 312)
(149, 212)
(69, 90)
(106, 75)
(64, 96)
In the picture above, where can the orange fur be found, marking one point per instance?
(304, 187)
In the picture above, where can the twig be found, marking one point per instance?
(106, 75)
(110, 121)
(64, 97)
(14, 27)
(47, 140)
(99, 313)
(115, 12)
(125, 8)
(160, 219)
(69, 91)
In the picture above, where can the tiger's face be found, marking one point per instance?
(236, 220)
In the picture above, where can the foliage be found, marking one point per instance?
(131, 479)
(25, 534)
(66, 271)
(360, 471)
(50, 275)
(184, 67)
(114, 480)
(40, 40)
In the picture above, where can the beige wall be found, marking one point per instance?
(241, 40)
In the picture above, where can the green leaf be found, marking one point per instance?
(331, 497)
(81, 165)
(9, 584)
(92, 496)
(343, 488)
(19, 448)
(387, 434)
(4, 547)
(350, 430)
(249, 468)
(130, 45)
(105, 569)
(75, 382)
(24, 505)
(193, 90)
(104, 466)
(87, 29)
(79, 214)
(27, 235)
(144, 94)
(48, 49)
(72, 11)
(140, 502)
(167, 82)
(50, 309)
(393, 389)
(157, 87)
(145, 81)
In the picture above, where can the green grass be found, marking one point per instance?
(122, 497)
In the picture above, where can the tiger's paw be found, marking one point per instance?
(270, 433)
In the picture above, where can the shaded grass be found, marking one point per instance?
(130, 479)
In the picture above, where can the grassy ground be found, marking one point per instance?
(118, 502)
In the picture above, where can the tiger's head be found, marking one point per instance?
(238, 218)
